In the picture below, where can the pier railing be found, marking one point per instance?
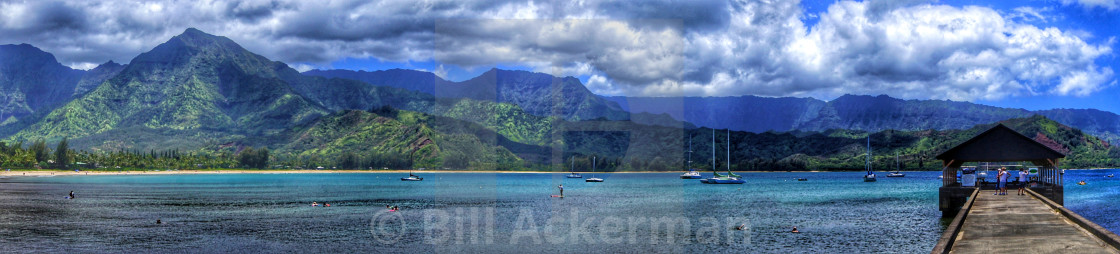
(954, 228)
(1105, 235)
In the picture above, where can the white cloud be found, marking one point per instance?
(625, 53)
(302, 67)
(1089, 4)
(1028, 14)
(83, 66)
(920, 51)
(440, 71)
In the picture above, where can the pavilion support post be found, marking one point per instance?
(1049, 184)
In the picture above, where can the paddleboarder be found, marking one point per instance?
(561, 190)
(71, 194)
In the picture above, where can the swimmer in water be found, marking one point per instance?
(795, 230)
(71, 194)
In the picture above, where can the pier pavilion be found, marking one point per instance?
(1036, 223)
(998, 144)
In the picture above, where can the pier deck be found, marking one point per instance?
(1025, 224)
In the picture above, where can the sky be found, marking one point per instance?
(1029, 54)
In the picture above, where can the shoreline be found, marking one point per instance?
(48, 172)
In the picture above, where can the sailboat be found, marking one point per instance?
(573, 168)
(412, 177)
(692, 173)
(870, 177)
(731, 178)
(982, 176)
(594, 179)
(897, 169)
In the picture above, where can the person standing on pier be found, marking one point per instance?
(999, 181)
(1003, 176)
(1023, 181)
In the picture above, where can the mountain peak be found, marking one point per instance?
(194, 46)
(195, 37)
(194, 32)
(110, 63)
(27, 55)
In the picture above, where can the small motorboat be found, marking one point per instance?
(1110, 175)
(802, 179)
(691, 174)
(896, 174)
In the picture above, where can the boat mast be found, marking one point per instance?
(867, 164)
(689, 152)
(714, 153)
(728, 151)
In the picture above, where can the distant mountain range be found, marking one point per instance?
(33, 83)
(537, 93)
(853, 112)
(200, 92)
(743, 113)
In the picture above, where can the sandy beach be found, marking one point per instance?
(235, 171)
(45, 172)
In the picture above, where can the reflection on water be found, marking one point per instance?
(509, 212)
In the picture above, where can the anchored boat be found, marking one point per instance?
(594, 179)
(897, 170)
(692, 173)
(573, 168)
(870, 177)
(731, 177)
(412, 177)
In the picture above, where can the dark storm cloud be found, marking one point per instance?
(253, 11)
(700, 16)
(45, 18)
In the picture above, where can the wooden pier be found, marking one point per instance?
(1022, 224)
(1034, 223)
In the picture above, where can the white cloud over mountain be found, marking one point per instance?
(905, 49)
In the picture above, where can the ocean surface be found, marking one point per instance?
(492, 213)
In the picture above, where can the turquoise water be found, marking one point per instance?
(479, 212)
(1097, 200)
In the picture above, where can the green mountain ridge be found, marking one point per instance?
(206, 94)
(194, 81)
(426, 140)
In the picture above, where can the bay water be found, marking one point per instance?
(490, 212)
